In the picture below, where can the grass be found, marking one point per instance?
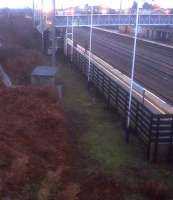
(101, 134)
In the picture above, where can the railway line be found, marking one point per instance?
(154, 64)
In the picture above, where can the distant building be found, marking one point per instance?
(158, 33)
(97, 9)
(161, 33)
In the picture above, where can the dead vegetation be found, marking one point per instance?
(99, 187)
(34, 148)
(20, 67)
(155, 190)
(19, 53)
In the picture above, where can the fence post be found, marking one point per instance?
(109, 88)
(150, 137)
(103, 83)
(97, 78)
(78, 59)
(170, 148)
(75, 57)
(85, 68)
(137, 116)
(126, 106)
(91, 74)
(156, 140)
(117, 95)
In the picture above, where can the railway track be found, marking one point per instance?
(154, 74)
(154, 66)
(150, 57)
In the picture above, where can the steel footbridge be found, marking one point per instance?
(113, 20)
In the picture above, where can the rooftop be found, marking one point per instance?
(44, 71)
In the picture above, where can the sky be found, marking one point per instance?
(67, 3)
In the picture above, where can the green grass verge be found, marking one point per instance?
(101, 136)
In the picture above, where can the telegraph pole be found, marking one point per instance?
(90, 44)
(121, 3)
(35, 8)
(66, 36)
(42, 25)
(72, 36)
(53, 33)
(37, 12)
(132, 74)
(33, 4)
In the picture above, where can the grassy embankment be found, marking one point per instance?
(101, 137)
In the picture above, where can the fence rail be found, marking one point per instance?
(155, 130)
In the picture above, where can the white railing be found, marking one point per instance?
(112, 19)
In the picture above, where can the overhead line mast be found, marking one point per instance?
(132, 73)
(90, 43)
(53, 33)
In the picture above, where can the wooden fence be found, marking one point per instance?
(155, 130)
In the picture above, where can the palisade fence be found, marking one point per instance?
(155, 130)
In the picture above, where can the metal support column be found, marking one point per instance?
(72, 37)
(53, 33)
(33, 4)
(132, 74)
(90, 44)
(66, 36)
(42, 25)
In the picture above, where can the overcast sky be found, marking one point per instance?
(66, 3)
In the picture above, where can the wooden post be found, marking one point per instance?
(150, 137)
(156, 140)
(109, 87)
(170, 148)
(137, 116)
